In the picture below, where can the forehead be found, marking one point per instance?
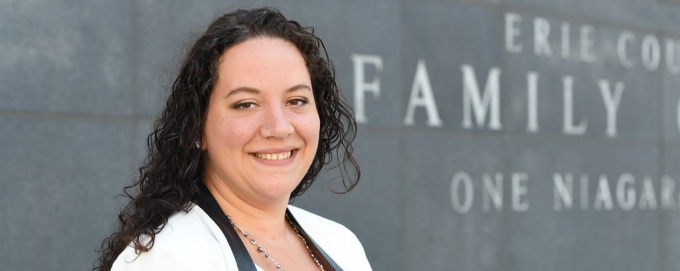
(260, 62)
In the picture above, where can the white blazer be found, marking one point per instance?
(192, 241)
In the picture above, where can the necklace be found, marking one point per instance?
(266, 255)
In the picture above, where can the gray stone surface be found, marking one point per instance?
(82, 84)
(57, 54)
(670, 221)
(58, 182)
(671, 16)
(442, 238)
(671, 104)
(445, 36)
(584, 235)
(637, 114)
(633, 13)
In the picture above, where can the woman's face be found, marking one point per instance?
(262, 128)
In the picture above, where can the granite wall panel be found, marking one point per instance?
(57, 54)
(439, 40)
(605, 98)
(444, 205)
(669, 230)
(588, 205)
(671, 92)
(59, 180)
(634, 13)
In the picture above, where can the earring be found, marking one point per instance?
(198, 144)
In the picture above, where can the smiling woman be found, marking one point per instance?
(261, 131)
(253, 117)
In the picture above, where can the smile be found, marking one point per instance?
(274, 156)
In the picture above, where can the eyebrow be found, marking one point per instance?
(298, 87)
(256, 91)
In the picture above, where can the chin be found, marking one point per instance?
(278, 191)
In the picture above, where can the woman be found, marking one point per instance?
(253, 117)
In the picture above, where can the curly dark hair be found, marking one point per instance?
(169, 177)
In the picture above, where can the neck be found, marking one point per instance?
(265, 218)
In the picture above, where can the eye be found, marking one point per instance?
(244, 105)
(298, 102)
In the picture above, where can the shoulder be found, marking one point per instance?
(188, 241)
(337, 241)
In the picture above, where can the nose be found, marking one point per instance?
(276, 124)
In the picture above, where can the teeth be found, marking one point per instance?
(274, 156)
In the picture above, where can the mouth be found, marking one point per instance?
(274, 156)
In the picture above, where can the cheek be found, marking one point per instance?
(239, 131)
(314, 130)
(229, 132)
(307, 128)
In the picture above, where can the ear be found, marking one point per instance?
(204, 143)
